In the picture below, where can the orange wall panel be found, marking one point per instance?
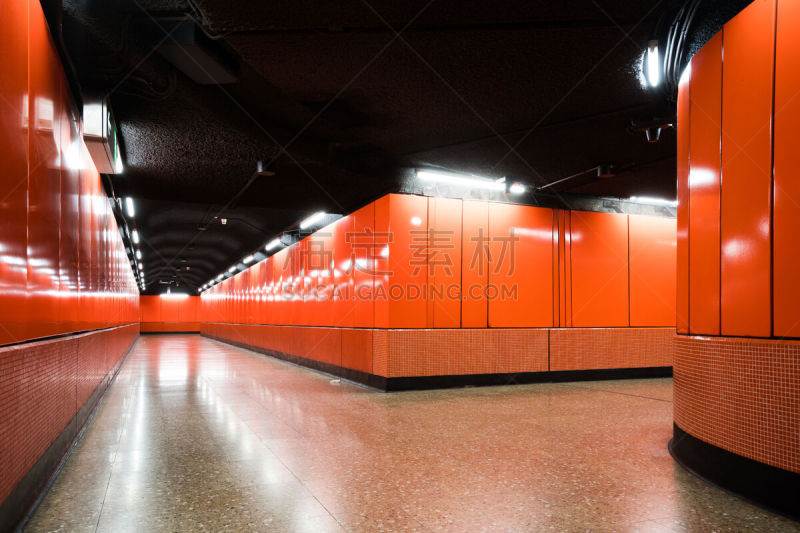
(44, 179)
(704, 189)
(520, 290)
(748, 44)
(564, 306)
(14, 177)
(362, 244)
(786, 217)
(401, 257)
(444, 263)
(475, 264)
(682, 235)
(652, 271)
(149, 308)
(599, 243)
(62, 264)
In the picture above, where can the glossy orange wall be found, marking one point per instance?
(652, 270)
(444, 263)
(745, 218)
(417, 262)
(474, 264)
(63, 266)
(682, 236)
(746, 207)
(704, 188)
(786, 289)
(520, 289)
(600, 270)
(163, 313)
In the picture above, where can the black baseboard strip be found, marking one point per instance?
(370, 380)
(17, 509)
(522, 378)
(463, 380)
(772, 488)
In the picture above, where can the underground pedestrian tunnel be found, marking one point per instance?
(363, 266)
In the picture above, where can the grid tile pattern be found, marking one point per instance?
(742, 395)
(43, 385)
(442, 352)
(596, 348)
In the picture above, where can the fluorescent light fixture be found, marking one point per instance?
(135, 236)
(138, 254)
(169, 294)
(129, 207)
(517, 188)
(313, 219)
(457, 179)
(274, 243)
(652, 64)
(232, 269)
(140, 265)
(653, 200)
(220, 276)
(249, 259)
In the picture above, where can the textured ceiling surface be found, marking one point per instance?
(346, 95)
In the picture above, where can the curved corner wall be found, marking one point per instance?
(737, 363)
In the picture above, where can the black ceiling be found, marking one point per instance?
(344, 95)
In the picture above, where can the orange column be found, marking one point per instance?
(748, 44)
(704, 189)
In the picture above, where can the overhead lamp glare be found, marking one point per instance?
(129, 208)
(313, 219)
(464, 181)
(274, 243)
(232, 269)
(517, 188)
(653, 200)
(652, 65)
(135, 236)
(249, 259)
(138, 254)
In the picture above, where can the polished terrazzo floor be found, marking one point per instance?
(197, 435)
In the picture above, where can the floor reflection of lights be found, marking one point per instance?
(195, 434)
